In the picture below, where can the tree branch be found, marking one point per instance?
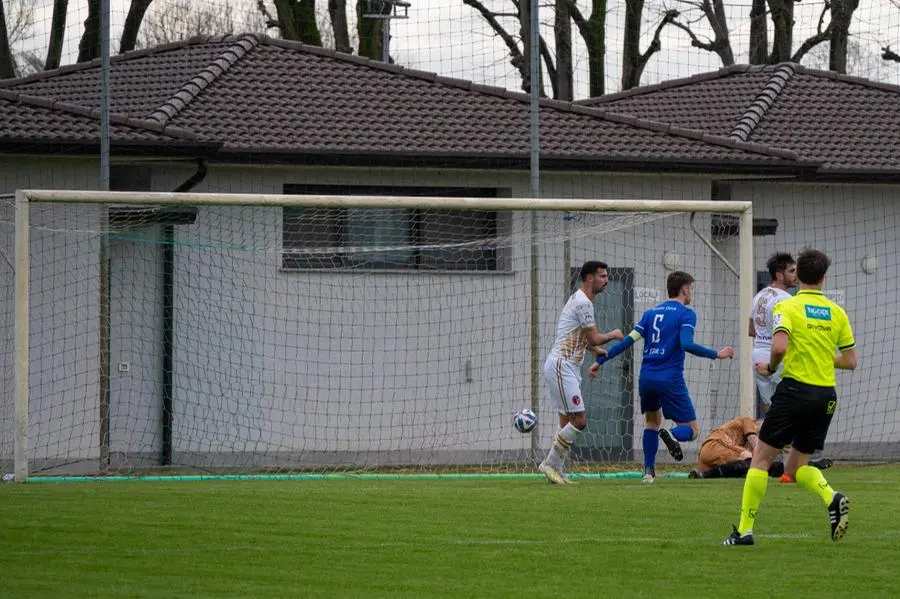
(695, 41)
(261, 6)
(654, 47)
(888, 54)
(577, 17)
(656, 44)
(820, 36)
(518, 59)
(551, 70)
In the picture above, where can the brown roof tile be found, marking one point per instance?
(24, 117)
(261, 95)
(848, 124)
(706, 102)
(140, 81)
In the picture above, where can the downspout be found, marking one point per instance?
(168, 317)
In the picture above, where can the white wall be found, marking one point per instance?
(365, 367)
(136, 345)
(64, 375)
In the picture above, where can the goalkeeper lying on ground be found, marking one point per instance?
(727, 450)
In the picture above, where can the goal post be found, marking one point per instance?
(259, 324)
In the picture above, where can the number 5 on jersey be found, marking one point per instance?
(657, 320)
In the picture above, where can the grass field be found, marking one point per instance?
(444, 538)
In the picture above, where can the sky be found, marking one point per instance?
(451, 39)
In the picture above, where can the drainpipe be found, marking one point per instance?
(168, 324)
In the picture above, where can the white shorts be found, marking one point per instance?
(766, 385)
(563, 380)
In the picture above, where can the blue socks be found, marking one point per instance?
(682, 432)
(651, 445)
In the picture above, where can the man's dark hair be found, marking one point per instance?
(812, 266)
(778, 263)
(676, 280)
(591, 267)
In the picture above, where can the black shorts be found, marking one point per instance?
(799, 416)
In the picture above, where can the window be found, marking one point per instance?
(391, 239)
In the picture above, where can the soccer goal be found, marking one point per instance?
(230, 333)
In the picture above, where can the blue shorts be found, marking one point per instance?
(671, 396)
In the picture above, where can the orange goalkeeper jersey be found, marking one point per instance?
(734, 432)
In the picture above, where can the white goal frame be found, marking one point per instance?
(744, 211)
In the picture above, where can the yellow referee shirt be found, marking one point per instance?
(817, 327)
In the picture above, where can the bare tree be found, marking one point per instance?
(7, 62)
(759, 33)
(16, 26)
(861, 61)
(593, 32)
(89, 45)
(337, 13)
(57, 34)
(889, 55)
(886, 52)
(822, 34)
(713, 12)
(782, 14)
(176, 20)
(370, 28)
(21, 21)
(518, 56)
(136, 12)
(296, 20)
(332, 21)
(633, 60)
(28, 62)
(562, 33)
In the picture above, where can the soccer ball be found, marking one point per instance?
(524, 421)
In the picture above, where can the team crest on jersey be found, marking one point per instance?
(776, 319)
(818, 312)
(576, 400)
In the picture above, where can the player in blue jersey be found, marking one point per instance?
(668, 333)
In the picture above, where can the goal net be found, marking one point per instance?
(260, 334)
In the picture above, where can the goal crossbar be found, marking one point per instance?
(329, 201)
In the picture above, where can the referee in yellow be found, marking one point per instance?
(813, 336)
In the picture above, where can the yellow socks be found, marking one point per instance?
(811, 479)
(754, 490)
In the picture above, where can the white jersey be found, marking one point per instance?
(571, 342)
(761, 315)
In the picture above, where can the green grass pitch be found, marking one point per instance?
(444, 538)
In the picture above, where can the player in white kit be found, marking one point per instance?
(576, 333)
(783, 269)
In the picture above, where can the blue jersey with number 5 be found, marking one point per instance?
(661, 329)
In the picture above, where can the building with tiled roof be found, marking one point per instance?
(334, 336)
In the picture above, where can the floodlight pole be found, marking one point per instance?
(104, 107)
(104, 332)
(535, 131)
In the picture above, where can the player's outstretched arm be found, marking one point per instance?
(614, 351)
(596, 339)
(619, 347)
(688, 345)
(613, 335)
